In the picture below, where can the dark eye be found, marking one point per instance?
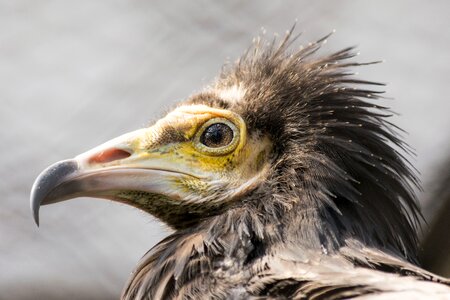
(217, 135)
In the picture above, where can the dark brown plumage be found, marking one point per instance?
(334, 217)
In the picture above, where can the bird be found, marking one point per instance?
(281, 179)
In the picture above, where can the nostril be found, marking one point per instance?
(109, 155)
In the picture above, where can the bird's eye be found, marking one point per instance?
(217, 135)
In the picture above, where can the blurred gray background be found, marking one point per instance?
(74, 74)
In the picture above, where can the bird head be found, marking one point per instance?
(291, 137)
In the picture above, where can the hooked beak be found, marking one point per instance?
(123, 164)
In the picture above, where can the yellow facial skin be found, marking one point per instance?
(218, 174)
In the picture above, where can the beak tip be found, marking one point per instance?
(46, 182)
(36, 218)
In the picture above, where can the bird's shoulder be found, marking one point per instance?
(352, 272)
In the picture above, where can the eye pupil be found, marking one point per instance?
(217, 135)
